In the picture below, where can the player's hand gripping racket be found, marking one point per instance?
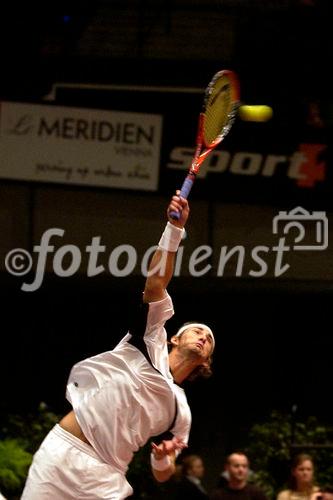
(221, 102)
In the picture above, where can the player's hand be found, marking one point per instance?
(180, 205)
(167, 447)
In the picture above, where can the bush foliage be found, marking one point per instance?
(273, 443)
(20, 437)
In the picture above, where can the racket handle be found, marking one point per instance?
(184, 192)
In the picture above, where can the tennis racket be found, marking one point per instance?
(220, 105)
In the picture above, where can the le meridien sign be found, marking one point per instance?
(80, 146)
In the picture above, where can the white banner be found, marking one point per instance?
(80, 146)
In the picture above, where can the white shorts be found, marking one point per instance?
(66, 468)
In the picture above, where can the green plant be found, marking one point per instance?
(272, 447)
(31, 428)
(14, 464)
(20, 437)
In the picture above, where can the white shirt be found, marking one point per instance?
(123, 397)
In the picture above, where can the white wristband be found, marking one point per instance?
(162, 464)
(171, 238)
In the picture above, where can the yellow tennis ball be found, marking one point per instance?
(255, 113)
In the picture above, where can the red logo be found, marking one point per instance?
(313, 169)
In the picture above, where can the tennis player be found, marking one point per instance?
(124, 397)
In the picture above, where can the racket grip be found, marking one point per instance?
(184, 192)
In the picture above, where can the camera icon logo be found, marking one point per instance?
(312, 228)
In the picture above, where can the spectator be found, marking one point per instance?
(189, 486)
(235, 481)
(301, 482)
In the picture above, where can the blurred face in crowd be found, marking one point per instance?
(197, 468)
(238, 469)
(303, 474)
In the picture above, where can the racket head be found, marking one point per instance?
(221, 103)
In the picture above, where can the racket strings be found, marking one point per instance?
(219, 110)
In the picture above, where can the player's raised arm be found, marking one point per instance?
(162, 263)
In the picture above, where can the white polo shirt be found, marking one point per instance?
(122, 398)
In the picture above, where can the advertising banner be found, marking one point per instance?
(80, 146)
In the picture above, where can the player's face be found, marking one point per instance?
(303, 473)
(238, 468)
(198, 340)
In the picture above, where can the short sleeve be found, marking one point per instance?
(158, 314)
